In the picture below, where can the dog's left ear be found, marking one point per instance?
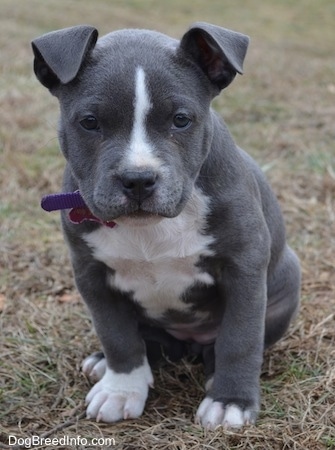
(219, 52)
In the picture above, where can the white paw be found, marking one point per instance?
(209, 383)
(94, 366)
(119, 396)
(213, 414)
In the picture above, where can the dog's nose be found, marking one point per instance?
(138, 185)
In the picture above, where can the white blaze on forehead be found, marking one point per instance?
(141, 152)
(142, 100)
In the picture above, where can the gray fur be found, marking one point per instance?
(256, 274)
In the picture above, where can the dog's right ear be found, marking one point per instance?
(60, 54)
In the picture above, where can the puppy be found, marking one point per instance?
(181, 239)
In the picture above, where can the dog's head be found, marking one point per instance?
(135, 122)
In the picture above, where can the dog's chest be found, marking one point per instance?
(156, 264)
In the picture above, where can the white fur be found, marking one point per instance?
(212, 415)
(119, 396)
(209, 383)
(140, 150)
(94, 367)
(157, 262)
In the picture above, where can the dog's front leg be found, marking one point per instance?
(122, 391)
(232, 399)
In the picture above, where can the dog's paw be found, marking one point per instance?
(212, 414)
(94, 366)
(119, 396)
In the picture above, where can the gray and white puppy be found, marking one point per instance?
(191, 247)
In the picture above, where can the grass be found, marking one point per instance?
(282, 112)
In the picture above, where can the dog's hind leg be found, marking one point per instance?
(283, 297)
(161, 345)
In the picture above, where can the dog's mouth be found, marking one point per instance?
(133, 213)
(138, 218)
(79, 211)
(135, 219)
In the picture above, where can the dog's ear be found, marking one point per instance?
(219, 52)
(60, 54)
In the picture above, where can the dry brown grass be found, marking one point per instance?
(282, 111)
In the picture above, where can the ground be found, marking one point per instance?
(282, 112)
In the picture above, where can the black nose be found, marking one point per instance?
(138, 185)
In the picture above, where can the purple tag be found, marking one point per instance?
(55, 202)
(79, 212)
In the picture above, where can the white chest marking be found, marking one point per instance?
(157, 263)
(140, 152)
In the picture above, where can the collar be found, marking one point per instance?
(79, 212)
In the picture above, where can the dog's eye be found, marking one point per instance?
(90, 123)
(181, 121)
